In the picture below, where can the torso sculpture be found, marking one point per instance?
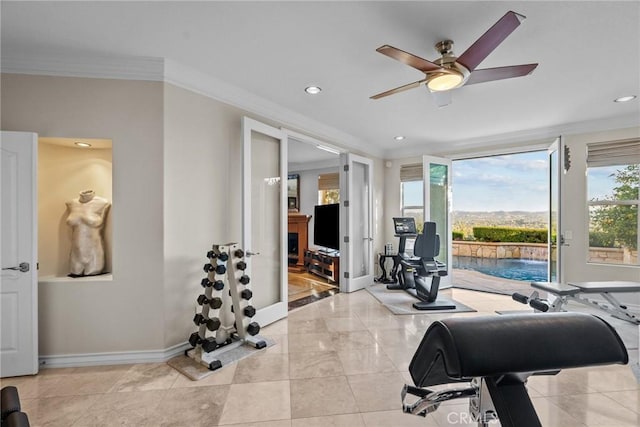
(86, 218)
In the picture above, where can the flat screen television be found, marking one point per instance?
(326, 226)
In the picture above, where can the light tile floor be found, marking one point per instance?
(337, 362)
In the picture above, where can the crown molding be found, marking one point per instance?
(523, 138)
(211, 87)
(101, 67)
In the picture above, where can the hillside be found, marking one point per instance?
(465, 220)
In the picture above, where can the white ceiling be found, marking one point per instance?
(589, 54)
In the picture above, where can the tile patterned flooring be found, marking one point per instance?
(338, 362)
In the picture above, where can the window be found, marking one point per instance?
(412, 193)
(328, 188)
(613, 179)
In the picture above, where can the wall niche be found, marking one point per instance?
(66, 167)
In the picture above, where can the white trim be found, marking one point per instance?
(105, 67)
(113, 358)
(514, 138)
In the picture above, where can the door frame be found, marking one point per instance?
(347, 221)
(556, 146)
(272, 313)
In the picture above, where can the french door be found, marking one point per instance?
(437, 206)
(264, 195)
(554, 238)
(356, 222)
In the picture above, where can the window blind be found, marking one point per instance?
(328, 181)
(626, 152)
(411, 172)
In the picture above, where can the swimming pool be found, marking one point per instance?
(514, 269)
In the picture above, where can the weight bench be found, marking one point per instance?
(497, 354)
(578, 291)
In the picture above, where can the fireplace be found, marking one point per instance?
(298, 240)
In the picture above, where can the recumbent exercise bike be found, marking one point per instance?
(413, 272)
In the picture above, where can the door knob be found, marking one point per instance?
(23, 267)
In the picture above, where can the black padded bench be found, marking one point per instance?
(10, 415)
(497, 354)
(582, 293)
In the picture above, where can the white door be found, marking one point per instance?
(264, 222)
(555, 240)
(18, 234)
(437, 206)
(356, 222)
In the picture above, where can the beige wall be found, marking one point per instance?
(62, 173)
(125, 314)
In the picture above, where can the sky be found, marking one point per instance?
(514, 182)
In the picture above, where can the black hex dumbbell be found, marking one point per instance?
(211, 254)
(244, 279)
(213, 324)
(208, 267)
(205, 283)
(223, 256)
(241, 265)
(209, 344)
(239, 253)
(249, 311)
(214, 303)
(246, 294)
(218, 285)
(195, 339)
(199, 319)
(221, 269)
(253, 328)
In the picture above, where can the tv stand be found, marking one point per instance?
(323, 264)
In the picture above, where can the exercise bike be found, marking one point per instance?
(414, 272)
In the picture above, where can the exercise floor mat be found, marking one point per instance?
(400, 302)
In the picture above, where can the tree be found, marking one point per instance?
(620, 222)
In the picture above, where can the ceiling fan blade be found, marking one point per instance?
(442, 98)
(398, 89)
(408, 58)
(500, 73)
(495, 35)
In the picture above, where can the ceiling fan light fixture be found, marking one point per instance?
(625, 98)
(313, 90)
(445, 81)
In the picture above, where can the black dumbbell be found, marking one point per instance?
(213, 324)
(244, 279)
(218, 285)
(209, 345)
(246, 294)
(199, 319)
(241, 265)
(208, 267)
(205, 283)
(221, 269)
(253, 328)
(239, 253)
(249, 311)
(223, 256)
(214, 303)
(194, 339)
(211, 254)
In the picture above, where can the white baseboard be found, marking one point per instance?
(112, 358)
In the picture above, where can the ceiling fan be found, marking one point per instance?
(450, 72)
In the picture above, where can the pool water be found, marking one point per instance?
(514, 269)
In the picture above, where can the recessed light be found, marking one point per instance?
(82, 144)
(625, 98)
(398, 138)
(313, 90)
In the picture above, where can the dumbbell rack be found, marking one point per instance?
(224, 325)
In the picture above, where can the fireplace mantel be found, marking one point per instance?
(299, 224)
